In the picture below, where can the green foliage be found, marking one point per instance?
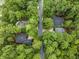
(24, 52)
(36, 56)
(68, 9)
(60, 45)
(8, 52)
(68, 23)
(53, 56)
(37, 44)
(47, 23)
(57, 45)
(13, 11)
(77, 41)
(55, 5)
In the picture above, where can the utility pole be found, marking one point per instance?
(40, 18)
